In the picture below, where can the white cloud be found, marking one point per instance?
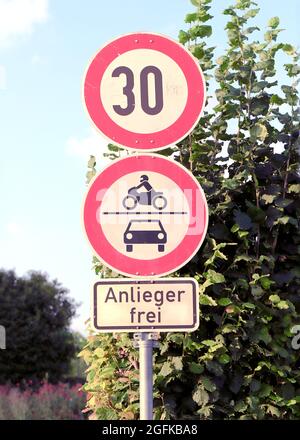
(3, 79)
(94, 145)
(18, 17)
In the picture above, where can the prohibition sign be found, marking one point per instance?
(144, 91)
(145, 215)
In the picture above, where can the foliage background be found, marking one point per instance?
(36, 314)
(49, 402)
(240, 363)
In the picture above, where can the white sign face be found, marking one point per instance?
(168, 80)
(145, 215)
(144, 91)
(121, 229)
(164, 305)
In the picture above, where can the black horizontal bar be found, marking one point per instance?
(141, 213)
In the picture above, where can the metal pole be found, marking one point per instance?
(146, 378)
(146, 342)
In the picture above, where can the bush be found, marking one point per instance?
(49, 402)
(36, 314)
(240, 364)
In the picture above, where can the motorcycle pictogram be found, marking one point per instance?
(147, 197)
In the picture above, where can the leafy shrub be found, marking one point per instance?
(240, 363)
(36, 314)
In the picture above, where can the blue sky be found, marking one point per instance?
(45, 135)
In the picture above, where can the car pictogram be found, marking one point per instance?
(145, 232)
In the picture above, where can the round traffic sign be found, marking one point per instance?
(144, 91)
(145, 215)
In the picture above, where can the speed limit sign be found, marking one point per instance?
(144, 91)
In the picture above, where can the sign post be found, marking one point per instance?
(145, 216)
(146, 342)
(145, 307)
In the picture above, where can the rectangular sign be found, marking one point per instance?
(137, 305)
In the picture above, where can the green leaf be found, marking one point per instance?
(268, 198)
(265, 282)
(282, 305)
(258, 131)
(166, 369)
(243, 258)
(91, 162)
(224, 302)
(232, 309)
(274, 299)
(251, 13)
(189, 18)
(219, 254)
(224, 359)
(273, 411)
(229, 328)
(282, 220)
(265, 390)
(196, 3)
(208, 384)
(214, 277)
(206, 300)
(107, 372)
(230, 184)
(196, 368)
(106, 414)
(177, 362)
(260, 106)
(177, 338)
(240, 406)
(295, 188)
(289, 49)
(90, 175)
(183, 37)
(200, 396)
(257, 291)
(235, 228)
(204, 286)
(283, 203)
(209, 342)
(215, 368)
(99, 352)
(216, 347)
(264, 335)
(249, 305)
(229, 11)
(275, 99)
(242, 220)
(274, 22)
(201, 31)
(260, 85)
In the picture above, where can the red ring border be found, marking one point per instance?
(141, 141)
(106, 252)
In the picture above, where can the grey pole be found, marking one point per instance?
(146, 378)
(146, 342)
